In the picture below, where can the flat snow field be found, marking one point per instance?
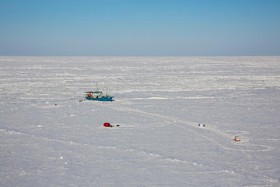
(51, 136)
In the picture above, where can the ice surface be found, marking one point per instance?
(49, 138)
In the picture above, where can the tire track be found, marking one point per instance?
(151, 155)
(189, 126)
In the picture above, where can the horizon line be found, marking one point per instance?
(139, 55)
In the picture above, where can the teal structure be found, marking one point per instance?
(98, 96)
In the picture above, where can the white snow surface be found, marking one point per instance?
(49, 138)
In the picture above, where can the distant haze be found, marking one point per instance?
(140, 27)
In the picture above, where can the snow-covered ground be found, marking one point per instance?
(49, 138)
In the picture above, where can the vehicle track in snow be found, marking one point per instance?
(192, 127)
(189, 126)
(169, 162)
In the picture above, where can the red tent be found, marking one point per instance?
(106, 124)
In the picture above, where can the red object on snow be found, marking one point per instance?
(107, 124)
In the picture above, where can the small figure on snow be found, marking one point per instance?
(237, 139)
(202, 125)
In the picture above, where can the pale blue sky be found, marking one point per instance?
(139, 27)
